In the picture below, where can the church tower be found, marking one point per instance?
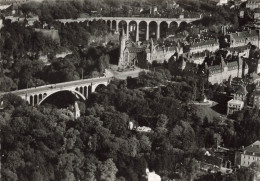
(122, 48)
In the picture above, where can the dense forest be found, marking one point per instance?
(39, 143)
(22, 46)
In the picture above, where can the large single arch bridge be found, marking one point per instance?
(80, 88)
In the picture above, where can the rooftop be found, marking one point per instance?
(202, 43)
(253, 149)
(241, 90)
(243, 34)
(237, 102)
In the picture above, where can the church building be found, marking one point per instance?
(132, 53)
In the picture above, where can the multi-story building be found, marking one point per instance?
(222, 72)
(241, 51)
(222, 2)
(237, 103)
(244, 38)
(131, 53)
(255, 99)
(249, 155)
(257, 14)
(197, 58)
(234, 105)
(240, 93)
(236, 83)
(210, 45)
(253, 4)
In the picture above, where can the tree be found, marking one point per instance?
(107, 171)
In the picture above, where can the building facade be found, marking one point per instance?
(131, 54)
(243, 38)
(234, 106)
(255, 99)
(225, 71)
(249, 154)
(209, 45)
(253, 4)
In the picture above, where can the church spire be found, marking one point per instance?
(122, 48)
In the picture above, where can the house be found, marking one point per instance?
(244, 38)
(171, 4)
(248, 155)
(237, 82)
(218, 70)
(255, 99)
(240, 93)
(257, 14)
(241, 51)
(253, 4)
(222, 2)
(234, 105)
(210, 45)
(197, 58)
(152, 176)
(223, 71)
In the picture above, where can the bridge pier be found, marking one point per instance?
(111, 24)
(158, 30)
(137, 31)
(147, 30)
(158, 21)
(117, 25)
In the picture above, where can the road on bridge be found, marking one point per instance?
(59, 85)
(118, 75)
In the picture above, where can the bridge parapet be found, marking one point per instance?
(137, 20)
(82, 88)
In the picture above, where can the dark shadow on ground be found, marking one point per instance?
(222, 100)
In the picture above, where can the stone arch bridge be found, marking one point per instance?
(80, 88)
(137, 20)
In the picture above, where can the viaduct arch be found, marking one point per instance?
(137, 20)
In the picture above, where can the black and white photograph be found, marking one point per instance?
(129, 90)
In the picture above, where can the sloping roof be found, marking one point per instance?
(241, 90)
(256, 93)
(257, 10)
(214, 68)
(237, 81)
(253, 148)
(232, 64)
(191, 67)
(254, 76)
(135, 49)
(243, 34)
(253, 1)
(238, 49)
(237, 102)
(203, 43)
